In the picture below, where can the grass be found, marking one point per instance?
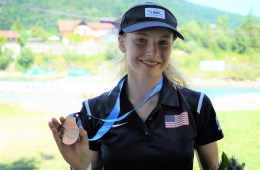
(27, 143)
(242, 140)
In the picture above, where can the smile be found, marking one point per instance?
(151, 63)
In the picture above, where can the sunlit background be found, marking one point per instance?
(55, 54)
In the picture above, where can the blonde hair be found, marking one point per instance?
(176, 77)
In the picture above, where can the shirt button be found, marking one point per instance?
(146, 133)
(150, 118)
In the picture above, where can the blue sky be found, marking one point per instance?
(243, 7)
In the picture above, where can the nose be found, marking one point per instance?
(152, 49)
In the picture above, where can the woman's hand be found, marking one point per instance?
(77, 154)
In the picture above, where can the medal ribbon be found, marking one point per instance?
(113, 116)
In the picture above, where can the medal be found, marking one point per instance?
(69, 131)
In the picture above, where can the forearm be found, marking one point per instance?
(83, 168)
(208, 156)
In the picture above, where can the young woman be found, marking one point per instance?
(150, 120)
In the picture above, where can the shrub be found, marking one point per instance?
(5, 59)
(26, 59)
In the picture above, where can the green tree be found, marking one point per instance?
(18, 25)
(26, 59)
(223, 33)
(39, 32)
(5, 59)
(192, 31)
(3, 40)
(247, 36)
(193, 34)
(223, 22)
(7, 16)
(5, 56)
(19, 28)
(240, 43)
(208, 35)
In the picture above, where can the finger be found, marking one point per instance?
(55, 122)
(62, 119)
(51, 125)
(55, 133)
(83, 135)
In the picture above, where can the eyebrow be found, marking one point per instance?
(145, 34)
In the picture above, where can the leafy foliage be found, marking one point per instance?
(224, 162)
(46, 13)
(230, 163)
(26, 59)
(208, 35)
(5, 55)
(5, 59)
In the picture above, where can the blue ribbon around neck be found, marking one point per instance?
(113, 116)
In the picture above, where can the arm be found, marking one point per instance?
(208, 156)
(95, 160)
(77, 154)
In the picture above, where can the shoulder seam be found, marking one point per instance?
(200, 102)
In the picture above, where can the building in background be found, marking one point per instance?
(9, 35)
(82, 31)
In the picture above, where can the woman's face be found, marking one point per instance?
(147, 51)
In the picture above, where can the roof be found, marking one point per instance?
(97, 25)
(9, 34)
(68, 25)
(114, 21)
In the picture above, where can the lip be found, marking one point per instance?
(150, 63)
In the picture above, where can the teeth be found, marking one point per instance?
(150, 63)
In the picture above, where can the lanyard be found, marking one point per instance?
(113, 116)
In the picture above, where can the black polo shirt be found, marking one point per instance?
(166, 140)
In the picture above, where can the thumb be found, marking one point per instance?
(83, 135)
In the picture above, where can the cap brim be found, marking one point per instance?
(148, 24)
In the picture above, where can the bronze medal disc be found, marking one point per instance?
(70, 132)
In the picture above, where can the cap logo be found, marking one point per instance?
(154, 13)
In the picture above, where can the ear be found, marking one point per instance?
(121, 43)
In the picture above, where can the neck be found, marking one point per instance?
(138, 88)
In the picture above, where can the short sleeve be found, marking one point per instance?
(209, 129)
(89, 125)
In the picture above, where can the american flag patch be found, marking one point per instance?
(173, 121)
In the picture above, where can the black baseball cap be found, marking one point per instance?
(148, 15)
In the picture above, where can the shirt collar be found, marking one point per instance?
(112, 96)
(169, 94)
